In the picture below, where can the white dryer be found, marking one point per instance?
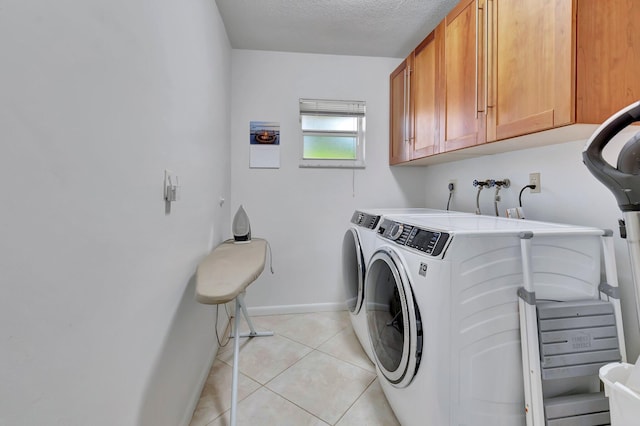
(357, 248)
(442, 310)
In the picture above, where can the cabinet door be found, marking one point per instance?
(531, 66)
(608, 58)
(424, 97)
(399, 146)
(461, 122)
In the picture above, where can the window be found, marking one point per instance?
(332, 133)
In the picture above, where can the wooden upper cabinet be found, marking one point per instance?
(608, 58)
(509, 69)
(425, 139)
(498, 69)
(530, 66)
(414, 106)
(399, 113)
(462, 125)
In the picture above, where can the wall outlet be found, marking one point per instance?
(534, 179)
(452, 185)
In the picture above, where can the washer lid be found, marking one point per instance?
(491, 225)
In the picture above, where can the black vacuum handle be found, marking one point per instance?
(625, 186)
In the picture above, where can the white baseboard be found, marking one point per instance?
(295, 309)
(197, 391)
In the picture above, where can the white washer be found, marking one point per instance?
(357, 248)
(442, 310)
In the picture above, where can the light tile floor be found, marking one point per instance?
(313, 371)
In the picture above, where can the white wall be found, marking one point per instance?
(97, 319)
(305, 212)
(569, 194)
(97, 314)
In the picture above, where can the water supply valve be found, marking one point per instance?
(482, 183)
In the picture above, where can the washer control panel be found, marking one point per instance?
(424, 240)
(365, 220)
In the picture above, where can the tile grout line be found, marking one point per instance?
(294, 403)
(331, 356)
(278, 394)
(312, 349)
(348, 362)
(356, 400)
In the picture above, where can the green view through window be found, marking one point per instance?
(332, 133)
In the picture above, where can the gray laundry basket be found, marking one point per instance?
(624, 402)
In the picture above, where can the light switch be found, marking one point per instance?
(171, 189)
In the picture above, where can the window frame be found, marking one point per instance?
(334, 108)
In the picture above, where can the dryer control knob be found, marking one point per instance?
(396, 231)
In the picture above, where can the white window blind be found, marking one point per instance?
(332, 108)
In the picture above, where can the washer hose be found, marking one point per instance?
(496, 199)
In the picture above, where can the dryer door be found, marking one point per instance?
(353, 270)
(393, 318)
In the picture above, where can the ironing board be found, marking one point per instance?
(223, 276)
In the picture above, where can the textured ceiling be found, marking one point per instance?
(387, 28)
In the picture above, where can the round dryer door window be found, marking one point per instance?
(353, 270)
(393, 318)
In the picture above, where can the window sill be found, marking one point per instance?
(331, 164)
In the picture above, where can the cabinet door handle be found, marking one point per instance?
(405, 106)
(409, 129)
(479, 9)
(489, 56)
